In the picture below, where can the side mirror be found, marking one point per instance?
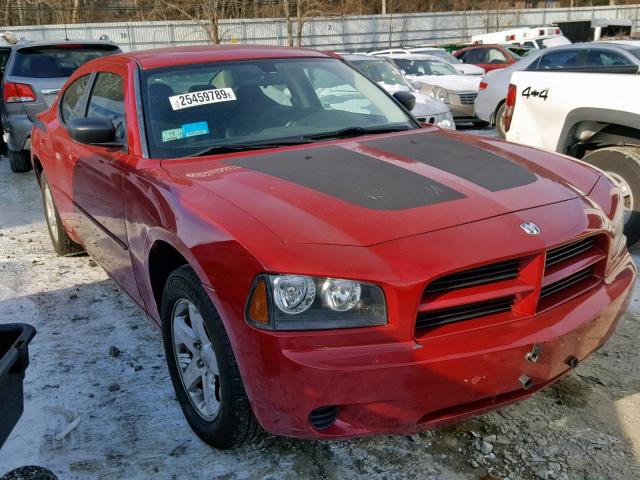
(406, 99)
(92, 131)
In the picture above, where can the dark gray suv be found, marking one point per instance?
(34, 74)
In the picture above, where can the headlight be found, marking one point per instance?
(445, 120)
(441, 94)
(299, 302)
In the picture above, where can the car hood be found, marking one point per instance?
(374, 189)
(468, 69)
(453, 83)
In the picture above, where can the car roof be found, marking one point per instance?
(53, 43)
(167, 57)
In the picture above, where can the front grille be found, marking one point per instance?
(566, 252)
(476, 276)
(464, 312)
(567, 282)
(467, 98)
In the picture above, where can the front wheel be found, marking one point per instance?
(203, 368)
(622, 166)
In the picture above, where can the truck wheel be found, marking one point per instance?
(62, 243)
(203, 368)
(622, 165)
(500, 120)
(20, 161)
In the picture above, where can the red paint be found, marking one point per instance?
(232, 224)
(489, 66)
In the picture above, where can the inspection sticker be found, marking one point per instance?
(173, 134)
(204, 97)
(194, 129)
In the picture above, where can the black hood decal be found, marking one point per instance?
(352, 177)
(473, 164)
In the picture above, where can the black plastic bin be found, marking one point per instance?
(14, 360)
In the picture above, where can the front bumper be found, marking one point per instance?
(409, 386)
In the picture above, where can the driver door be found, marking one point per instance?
(98, 177)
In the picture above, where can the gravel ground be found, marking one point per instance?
(97, 364)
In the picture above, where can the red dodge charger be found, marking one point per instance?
(320, 264)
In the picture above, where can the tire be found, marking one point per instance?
(194, 336)
(29, 473)
(500, 120)
(622, 163)
(20, 161)
(62, 243)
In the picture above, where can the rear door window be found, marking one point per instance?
(72, 99)
(495, 56)
(55, 62)
(564, 60)
(107, 101)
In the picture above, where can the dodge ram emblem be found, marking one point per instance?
(530, 228)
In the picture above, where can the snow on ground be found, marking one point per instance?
(584, 427)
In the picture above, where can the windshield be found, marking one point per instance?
(515, 52)
(424, 67)
(382, 72)
(192, 108)
(635, 52)
(56, 62)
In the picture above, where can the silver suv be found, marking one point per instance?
(34, 74)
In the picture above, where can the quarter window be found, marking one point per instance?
(107, 101)
(72, 99)
(604, 58)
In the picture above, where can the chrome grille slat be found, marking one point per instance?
(464, 312)
(566, 252)
(467, 98)
(476, 276)
(566, 282)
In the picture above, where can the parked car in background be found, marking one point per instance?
(5, 50)
(309, 265)
(34, 74)
(559, 111)
(386, 74)
(443, 82)
(600, 57)
(538, 37)
(439, 53)
(445, 56)
(489, 57)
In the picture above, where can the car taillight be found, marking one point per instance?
(18, 92)
(558, 32)
(483, 85)
(510, 103)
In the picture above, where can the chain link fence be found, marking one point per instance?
(352, 33)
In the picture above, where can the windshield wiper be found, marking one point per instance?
(354, 132)
(245, 147)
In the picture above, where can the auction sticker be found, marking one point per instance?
(204, 97)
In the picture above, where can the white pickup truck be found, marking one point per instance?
(591, 116)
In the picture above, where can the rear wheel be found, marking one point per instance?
(500, 120)
(20, 161)
(622, 166)
(203, 368)
(62, 243)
